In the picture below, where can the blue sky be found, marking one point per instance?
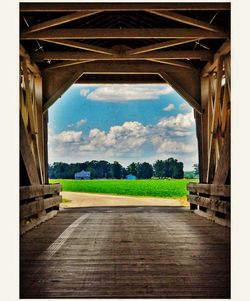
(122, 122)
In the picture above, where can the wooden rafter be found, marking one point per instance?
(66, 64)
(120, 67)
(60, 20)
(158, 46)
(66, 7)
(175, 63)
(27, 155)
(56, 84)
(126, 33)
(82, 46)
(161, 55)
(189, 98)
(186, 20)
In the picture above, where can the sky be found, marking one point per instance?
(125, 123)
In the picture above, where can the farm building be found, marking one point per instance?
(82, 175)
(131, 177)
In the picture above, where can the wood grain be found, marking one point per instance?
(126, 252)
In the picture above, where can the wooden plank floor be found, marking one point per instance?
(155, 252)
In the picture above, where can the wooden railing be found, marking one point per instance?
(211, 201)
(38, 203)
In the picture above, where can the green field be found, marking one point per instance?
(158, 188)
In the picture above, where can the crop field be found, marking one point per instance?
(166, 188)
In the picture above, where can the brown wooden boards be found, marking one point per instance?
(128, 33)
(65, 7)
(126, 252)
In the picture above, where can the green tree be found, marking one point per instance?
(116, 170)
(144, 170)
(159, 167)
(132, 169)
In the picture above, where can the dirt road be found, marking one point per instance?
(80, 199)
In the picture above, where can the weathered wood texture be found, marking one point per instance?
(126, 253)
(211, 201)
(31, 121)
(36, 204)
(214, 130)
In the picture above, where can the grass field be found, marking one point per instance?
(157, 188)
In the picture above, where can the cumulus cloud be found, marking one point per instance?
(78, 123)
(178, 122)
(185, 107)
(84, 92)
(172, 136)
(68, 136)
(81, 122)
(124, 92)
(169, 107)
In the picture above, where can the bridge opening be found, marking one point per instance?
(142, 136)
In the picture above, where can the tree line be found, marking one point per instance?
(169, 168)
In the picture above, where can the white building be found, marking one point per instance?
(82, 175)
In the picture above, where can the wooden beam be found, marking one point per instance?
(158, 46)
(27, 155)
(224, 50)
(57, 86)
(210, 189)
(125, 67)
(126, 33)
(60, 20)
(31, 66)
(67, 7)
(157, 55)
(175, 63)
(223, 165)
(66, 64)
(212, 204)
(186, 20)
(215, 118)
(30, 192)
(83, 46)
(179, 89)
(205, 90)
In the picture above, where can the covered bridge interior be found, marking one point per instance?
(186, 45)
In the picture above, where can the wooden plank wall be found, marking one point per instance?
(214, 140)
(32, 144)
(38, 203)
(215, 120)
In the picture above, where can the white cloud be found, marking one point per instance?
(84, 92)
(131, 141)
(78, 123)
(68, 136)
(178, 122)
(81, 122)
(169, 107)
(185, 107)
(124, 92)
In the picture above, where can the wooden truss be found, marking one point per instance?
(166, 56)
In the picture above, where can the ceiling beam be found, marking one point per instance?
(66, 7)
(175, 63)
(161, 55)
(79, 45)
(126, 33)
(186, 20)
(158, 46)
(65, 64)
(120, 67)
(183, 92)
(60, 20)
